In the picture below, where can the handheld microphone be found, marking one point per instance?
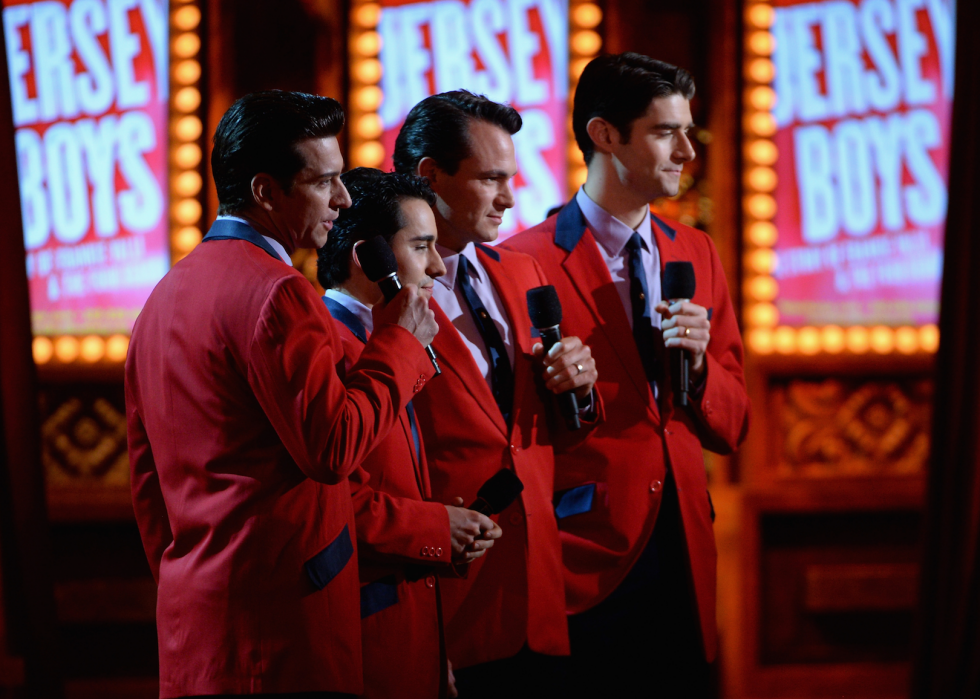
(499, 491)
(380, 266)
(678, 284)
(545, 310)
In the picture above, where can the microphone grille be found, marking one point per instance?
(543, 306)
(500, 490)
(377, 258)
(678, 281)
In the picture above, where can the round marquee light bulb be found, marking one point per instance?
(907, 340)
(188, 155)
(66, 349)
(762, 124)
(578, 176)
(368, 44)
(187, 18)
(186, 239)
(186, 45)
(763, 233)
(368, 99)
(760, 341)
(369, 126)
(187, 211)
(188, 183)
(882, 339)
(187, 72)
(761, 206)
(784, 339)
(762, 288)
(929, 338)
(367, 15)
(808, 340)
(188, 128)
(762, 151)
(761, 261)
(586, 42)
(187, 99)
(762, 179)
(368, 70)
(761, 15)
(116, 347)
(91, 349)
(762, 43)
(762, 70)
(857, 339)
(762, 98)
(587, 15)
(576, 67)
(763, 315)
(43, 349)
(832, 339)
(370, 154)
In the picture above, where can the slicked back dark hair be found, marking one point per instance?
(619, 88)
(375, 209)
(438, 128)
(259, 133)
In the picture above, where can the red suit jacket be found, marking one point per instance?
(241, 438)
(514, 594)
(613, 482)
(397, 526)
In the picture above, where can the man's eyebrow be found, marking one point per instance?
(422, 238)
(329, 175)
(495, 173)
(672, 126)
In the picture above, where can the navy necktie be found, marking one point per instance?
(644, 333)
(501, 374)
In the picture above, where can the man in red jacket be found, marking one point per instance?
(632, 503)
(241, 433)
(493, 407)
(405, 539)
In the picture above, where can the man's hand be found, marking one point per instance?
(411, 311)
(568, 366)
(472, 533)
(686, 325)
(452, 693)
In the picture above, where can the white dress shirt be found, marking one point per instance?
(360, 311)
(612, 235)
(276, 245)
(451, 300)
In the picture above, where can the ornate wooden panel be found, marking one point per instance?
(840, 428)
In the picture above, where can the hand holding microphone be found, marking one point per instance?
(569, 367)
(471, 529)
(380, 266)
(685, 325)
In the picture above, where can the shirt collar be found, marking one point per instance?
(450, 258)
(362, 312)
(611, 233)
(276, 245)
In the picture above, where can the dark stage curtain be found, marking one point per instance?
(947, 658)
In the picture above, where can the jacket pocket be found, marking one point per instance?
(325, 566)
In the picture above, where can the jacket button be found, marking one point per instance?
(656, 486)
(438, 551)
(514, 448)
(430, 581)
(516, 518)
(425, 550)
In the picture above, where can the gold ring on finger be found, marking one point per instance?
(580, 368)
(687, 332)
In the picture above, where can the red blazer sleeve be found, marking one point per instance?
(148, 504)
(328, 428)
(389, 526)
(723, 410)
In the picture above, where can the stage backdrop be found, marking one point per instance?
(863, 99)
(89, 85)
(513, 51)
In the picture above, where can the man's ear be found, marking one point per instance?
(428, 169)
(603, 134)
(265, 190)
(355, 260)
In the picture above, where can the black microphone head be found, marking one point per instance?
(543, 306)
(377, 258)
(678, 281)
(500, 490)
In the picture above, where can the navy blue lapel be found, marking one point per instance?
(227, 229)
(353, 323)
(569, 226)
(668, 231)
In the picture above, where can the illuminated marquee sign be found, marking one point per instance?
(89, 87)
(512, 51)
(863, 93)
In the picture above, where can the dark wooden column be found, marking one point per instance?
(28, 600)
